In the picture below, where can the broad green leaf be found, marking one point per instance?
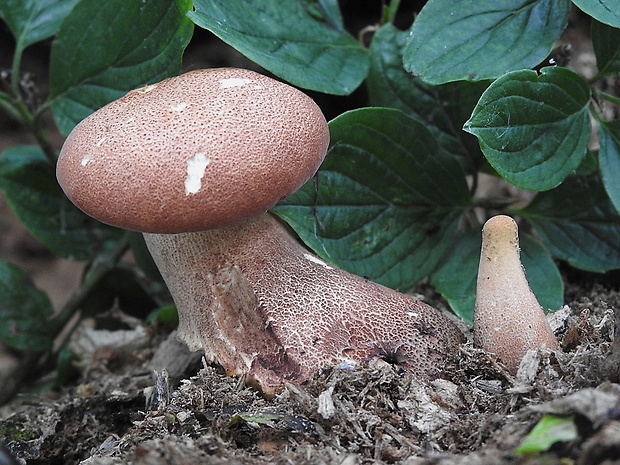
(609, 159)
(578, 223)
(301, 41)
(455, 277)
(542, 273)
(482, 39)
(325, 10)
(389, 85)
(31, 21)
(534, 128)
(459, 100)
(386, 201)
(24, 311)
(605, 11)
(105, 49)
(549, 430)
(606, 43)
(29, 182)
(589, 164)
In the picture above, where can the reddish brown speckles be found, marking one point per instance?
(319, 314)
(127, 163)
(209, 149)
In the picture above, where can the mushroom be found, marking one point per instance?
(508, 320)
(194, 162)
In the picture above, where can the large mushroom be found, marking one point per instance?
(194, 162)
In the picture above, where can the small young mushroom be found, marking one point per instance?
(508, 320)
(194, 162)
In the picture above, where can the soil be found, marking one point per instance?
(125, 407)
(138, 397)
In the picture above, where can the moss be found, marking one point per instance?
(18, 433)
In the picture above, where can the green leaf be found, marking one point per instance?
(66, 368)
(578, 223)
(605, 11)
(301, 41)
(482, 39)
(389, 85)
(105, 49)
(29, 182)
(542, 273)
(31, 21)
(534, 129)
(589, 164)
(455, 277)
(606, 43)
(549, 430)
(24, 311)
(167, 315)
(386, 201)
(609, 159)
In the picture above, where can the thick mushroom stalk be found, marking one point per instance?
(194, 162)
(508, 320)
(262, 305)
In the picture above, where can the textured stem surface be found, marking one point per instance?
(259, 303)
(508, 320)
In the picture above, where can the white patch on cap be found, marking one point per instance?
(179, 107)
(85, 160)
(233, 82)
(100, 141)
(196, 167)
(145, 89)
(318, 261)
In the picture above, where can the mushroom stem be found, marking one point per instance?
(508, 320)
(293, 313)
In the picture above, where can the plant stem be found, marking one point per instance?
(101, 265)
(14, 104)
(611, 98)
(389, 12)
(6, 102)
(474, 183)
(15, 66)
(32, 123)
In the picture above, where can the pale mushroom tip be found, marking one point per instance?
(502, 233)
(508, 320)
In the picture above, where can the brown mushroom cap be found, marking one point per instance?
(197, 151)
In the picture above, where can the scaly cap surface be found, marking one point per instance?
(197, 151)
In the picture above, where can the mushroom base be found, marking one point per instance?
(261, 305)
